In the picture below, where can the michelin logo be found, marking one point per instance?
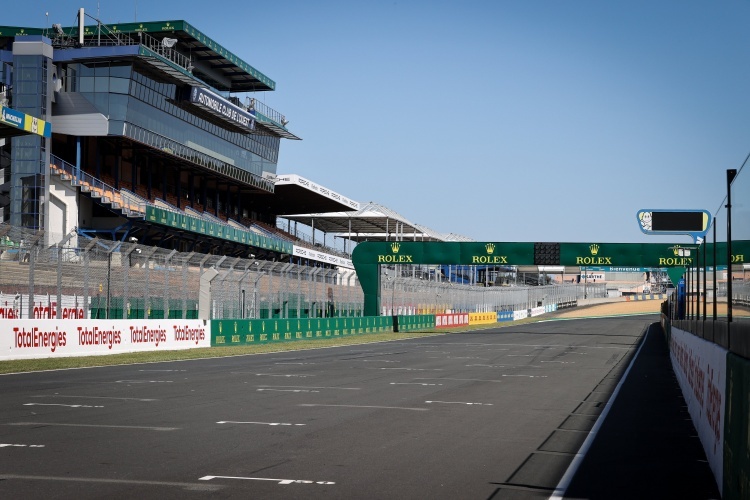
(12, 118)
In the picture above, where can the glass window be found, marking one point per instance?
(84, 70)
(101, 101)
(120, 71)
(86, 84)
(118, 107)
(26, 102)
(101, 84)
(119, 85)
(101, 70)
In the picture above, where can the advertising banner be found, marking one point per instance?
(451, 320)
(16, 306)
(61, 338)
(701, 368)
(536, 311)
(484, 318)
(520, 314)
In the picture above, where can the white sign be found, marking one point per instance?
(701, 370)
(59, 338)
(307, 253)
(592, 276)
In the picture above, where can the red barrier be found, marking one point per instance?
(451, 320)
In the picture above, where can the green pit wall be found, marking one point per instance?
(267, 331)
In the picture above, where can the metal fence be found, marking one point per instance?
(96, 278)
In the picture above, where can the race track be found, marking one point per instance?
(497, 413)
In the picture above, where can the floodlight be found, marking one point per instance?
(284, 121)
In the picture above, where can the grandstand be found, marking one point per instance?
(159, 134)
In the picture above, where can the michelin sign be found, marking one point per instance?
(25, 122)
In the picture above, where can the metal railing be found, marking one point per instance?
(97, 188)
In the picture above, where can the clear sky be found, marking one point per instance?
(523, 120)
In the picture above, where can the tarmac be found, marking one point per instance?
(647, 446)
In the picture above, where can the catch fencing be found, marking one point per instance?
(83, 278)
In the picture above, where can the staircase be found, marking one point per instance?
(106, 195)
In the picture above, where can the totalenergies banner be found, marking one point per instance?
(59, 338)
(482, 318)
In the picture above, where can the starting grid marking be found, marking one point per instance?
(277, 481)
(90, 397)
(412, 383)
(459, 403)
(287, 390)
(7, 445)
(59, 404)
(144, 381)
(258, 423)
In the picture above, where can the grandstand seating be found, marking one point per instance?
(133, 204)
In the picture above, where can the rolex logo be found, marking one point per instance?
(676, 250)
(490, 248)
(594, 249)
(395, 246)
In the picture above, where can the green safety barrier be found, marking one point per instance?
(263, 331)
(416, 322)
(736, 429)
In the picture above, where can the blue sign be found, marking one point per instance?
(12, 117)
(220, 106)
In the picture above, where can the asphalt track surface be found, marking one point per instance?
(495, 414)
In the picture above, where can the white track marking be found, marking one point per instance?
(410, 369)
(162, 370)
(461, 379)
(364, 406)
(282, 375)
(279, 481)
(312, 387)
(258, 423)
(143, 381)
(90, 397)
(187, 486)
(502, 366)
(287, 390)
(411, 383)
(59, 404)
(134, 427)
(6, 445)
(459, 403)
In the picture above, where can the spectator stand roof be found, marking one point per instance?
(372, 222)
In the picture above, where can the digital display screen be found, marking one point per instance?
(677, 221)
